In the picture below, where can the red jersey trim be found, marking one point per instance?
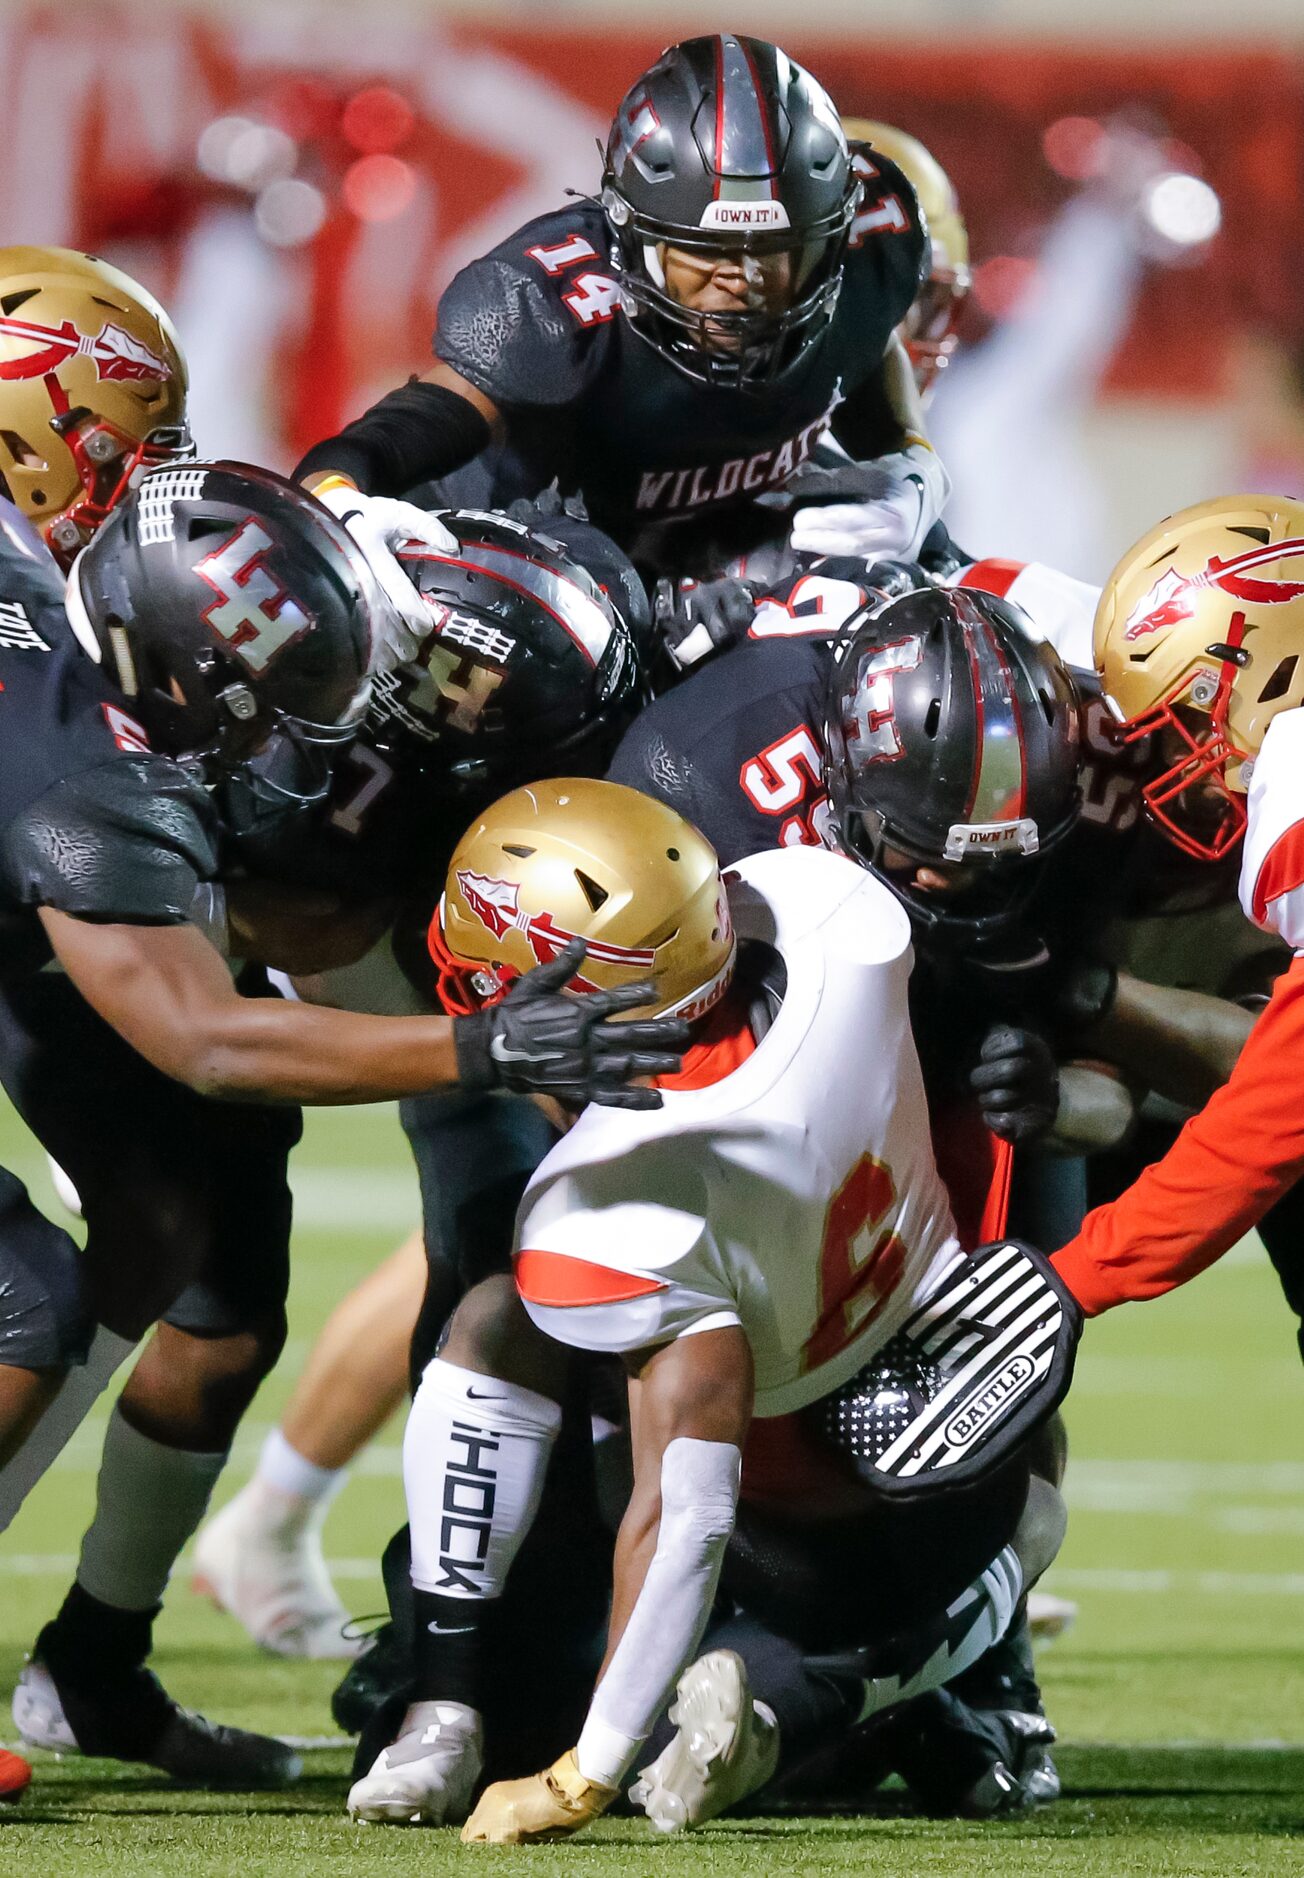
(1282, 871)
(553, 1279)
(992, 576)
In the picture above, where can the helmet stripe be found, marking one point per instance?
(998, 788)
(744, 148)
(577, 613)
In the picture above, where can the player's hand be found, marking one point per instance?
(544, 1040)
(900, 497)
(1016, 1083)
(550, 1805)
(381, 526)
(694, 618)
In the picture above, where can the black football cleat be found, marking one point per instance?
(970, 1763)
(127, 1715)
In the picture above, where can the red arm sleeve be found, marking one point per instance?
(1229, 1164)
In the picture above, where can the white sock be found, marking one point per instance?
(475, 1452)
(82, 1388)
(283, 1468)
(979, 1618)
(148, 1502)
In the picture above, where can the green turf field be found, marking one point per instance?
(1176, 1695)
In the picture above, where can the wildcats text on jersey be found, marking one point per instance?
(698, 485)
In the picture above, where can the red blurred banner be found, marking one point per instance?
(463, 132)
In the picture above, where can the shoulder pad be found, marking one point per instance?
(128, 841)
(888, 249)
(31, 585)
(525, 323)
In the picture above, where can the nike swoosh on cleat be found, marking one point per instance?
(450, 1630)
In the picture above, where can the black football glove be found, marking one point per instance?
(695, 618)
(542, 1040)
(1016, 1082)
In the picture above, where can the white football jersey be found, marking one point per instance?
(1272, 863)
(796, 1197)
(1062, 609)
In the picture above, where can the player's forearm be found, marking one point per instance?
(1182, 1044)
(272, 1050)
(667, 1570)
(1229, 1164)
(420, 431)
(168, 993)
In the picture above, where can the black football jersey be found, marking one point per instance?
(737, 749)
(660, 460)
(92, 822)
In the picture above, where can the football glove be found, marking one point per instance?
(1016, 1082)
(381, 526)
(694, 618)
(542, 1040)
(550, 1805)
(899, 498)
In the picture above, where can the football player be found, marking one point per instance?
(745, 696)
(214, 610)
(665, 1244)
(673, 347)
(1198, 643)
(531, 665)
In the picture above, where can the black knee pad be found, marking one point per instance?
(44, 1321)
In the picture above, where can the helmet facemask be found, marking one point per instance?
(1191, 799)
(109, 463)
(725, 347)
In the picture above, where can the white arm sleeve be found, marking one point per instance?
(699, 1492)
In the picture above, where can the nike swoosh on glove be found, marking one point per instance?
(905, 494)
(543, 1040)
(381, 526)
(1016, 1082)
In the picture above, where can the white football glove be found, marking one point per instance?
(892, 521)
(380, 526)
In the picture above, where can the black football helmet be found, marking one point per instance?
(229, 605)
(951, 732)
(728, 145)
(532, 665)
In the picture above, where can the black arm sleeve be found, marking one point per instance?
(412, 435)
(127, 842)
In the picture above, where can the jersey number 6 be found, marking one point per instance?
(861, 1262)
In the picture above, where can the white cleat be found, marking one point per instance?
(427, 1776)
(726, 1747)
(261, 1560)
(1049, 1616)
(38, 1711)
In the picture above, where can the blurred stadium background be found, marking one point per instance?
(298, 181)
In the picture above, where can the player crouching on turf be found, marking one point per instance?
(749, 1255)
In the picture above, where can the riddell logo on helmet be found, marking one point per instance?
(115, 355)
(1172, 598)
(496, 904)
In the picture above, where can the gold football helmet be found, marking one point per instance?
(1199, 639)
(575, 858)
(92, 389)
(929, 327)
